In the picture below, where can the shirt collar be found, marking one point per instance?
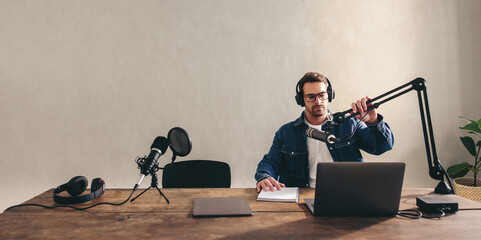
(301, 119)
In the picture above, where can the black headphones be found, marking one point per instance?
(300, 98)
(77, 186)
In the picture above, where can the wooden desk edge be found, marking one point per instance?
(181, 200)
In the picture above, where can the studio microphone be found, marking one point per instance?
(321, 136)
(159, 147)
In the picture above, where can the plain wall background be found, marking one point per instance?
(86, 86)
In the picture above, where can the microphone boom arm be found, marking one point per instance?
(436, 170)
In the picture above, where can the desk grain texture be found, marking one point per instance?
(150, 217)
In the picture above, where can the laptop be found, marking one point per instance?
(357, 189)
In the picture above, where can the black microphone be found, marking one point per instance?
(159, 146)
(321, 136)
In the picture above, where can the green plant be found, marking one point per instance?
(460, 170)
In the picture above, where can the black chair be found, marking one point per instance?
(196, 174)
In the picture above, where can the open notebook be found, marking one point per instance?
(287, 194)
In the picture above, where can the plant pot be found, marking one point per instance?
(463, 187)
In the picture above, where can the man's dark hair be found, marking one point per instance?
(311, 77)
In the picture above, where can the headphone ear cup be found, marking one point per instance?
(332, 95)
(330, 91)
(299, 98)
(96, 184)
(77, 185)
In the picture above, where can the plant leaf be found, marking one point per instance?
(472, 127)
(458, 170)
(469, 144)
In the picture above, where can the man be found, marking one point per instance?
(293, 157)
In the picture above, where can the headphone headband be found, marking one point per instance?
(97, 189)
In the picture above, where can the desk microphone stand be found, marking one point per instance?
(154, 184)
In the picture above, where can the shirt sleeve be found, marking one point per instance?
(376, 138)
(270, 164)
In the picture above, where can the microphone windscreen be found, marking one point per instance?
(180, 142)
(160, 143)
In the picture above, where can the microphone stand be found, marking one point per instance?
(153, 183)
(436, 170)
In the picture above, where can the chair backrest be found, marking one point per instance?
(196, 174)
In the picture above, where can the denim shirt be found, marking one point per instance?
(287, 160)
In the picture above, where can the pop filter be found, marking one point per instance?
(180, 142)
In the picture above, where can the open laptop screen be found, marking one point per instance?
(358, 188)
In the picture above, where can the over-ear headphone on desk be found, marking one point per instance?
(77, 186)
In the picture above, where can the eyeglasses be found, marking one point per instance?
(314, 97)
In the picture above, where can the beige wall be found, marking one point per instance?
(86, 86)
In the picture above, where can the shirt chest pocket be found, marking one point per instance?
(294, 159)
(349, 150)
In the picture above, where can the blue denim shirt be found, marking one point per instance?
(287, 160)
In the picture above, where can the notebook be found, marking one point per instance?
(357, 189)
(221, 207)
(286, 194)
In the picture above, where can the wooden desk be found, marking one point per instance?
(151, 217)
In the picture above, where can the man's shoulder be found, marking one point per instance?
(292, 125)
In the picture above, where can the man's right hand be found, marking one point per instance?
(269, 184)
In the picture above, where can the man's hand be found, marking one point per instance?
(361, 107)
(269, 184)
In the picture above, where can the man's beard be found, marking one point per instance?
(317, 111)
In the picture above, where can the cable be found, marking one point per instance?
(357, 125)
(440, 214)
(410, 213)
(417, 214)
(73, 207)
